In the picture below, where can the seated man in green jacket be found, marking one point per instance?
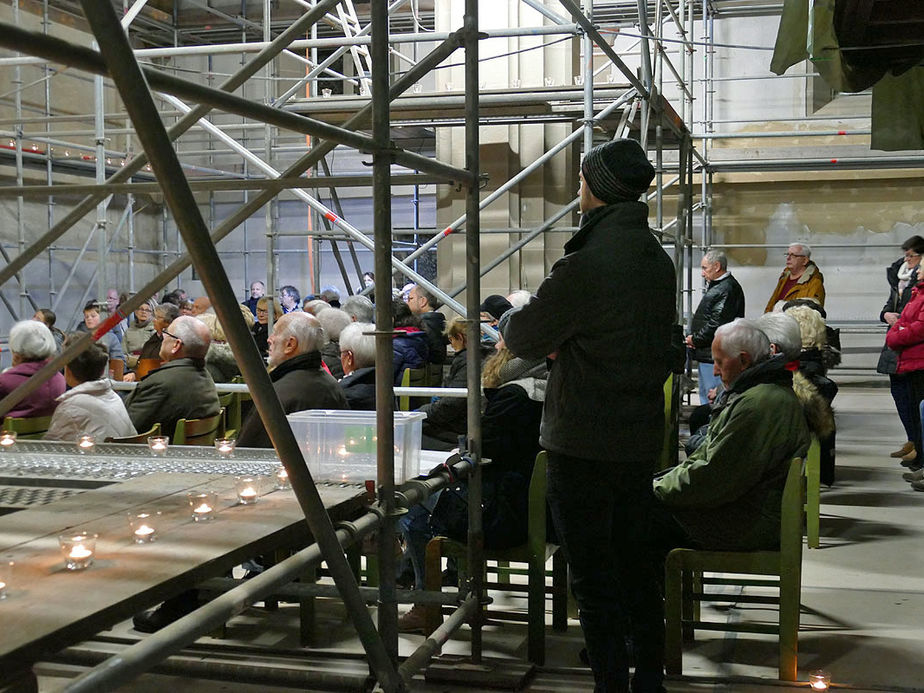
(727, 494)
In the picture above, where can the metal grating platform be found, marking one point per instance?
(24, 496)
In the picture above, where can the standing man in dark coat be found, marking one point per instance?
(181, 388)
(297, 376)
(722, 302)
(603, 421)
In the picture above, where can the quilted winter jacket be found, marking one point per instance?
(907, 335)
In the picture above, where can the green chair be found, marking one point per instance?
(231, 403)
(535, 552)
(414, 377)
(684, 584)
(202, 431)
(27, 428)
(812, 493)
(138, 438)
(670, 445)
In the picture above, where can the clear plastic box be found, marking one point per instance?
(341, 445)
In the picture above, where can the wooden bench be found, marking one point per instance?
(49, 608)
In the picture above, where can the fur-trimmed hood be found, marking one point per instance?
(818, 413)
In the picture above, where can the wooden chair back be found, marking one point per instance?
(145, 366)
(27, 427)
(137, 438)
(116, 369)
(202, 431)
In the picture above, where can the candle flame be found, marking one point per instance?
(202, 509)
(80, 551)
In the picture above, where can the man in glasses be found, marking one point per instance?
(800, 279)
(181, 388)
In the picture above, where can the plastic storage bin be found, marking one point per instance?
(341, 445)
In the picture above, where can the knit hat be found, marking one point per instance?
(617, 171)
(495, 305)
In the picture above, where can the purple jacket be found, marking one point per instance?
(39, 403)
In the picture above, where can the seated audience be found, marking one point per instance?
(220, 360)
(727, 494)
(201, 305)
(493, 307)
(333, 321)
(257, 290)
(139, 331)
(411, 348)
(186, 308)
(814, 338)
(260, 328)
(181, 388)
(357, 357)
(176, 297)
(31, 345)
(447, 417)
(164, 314)
(90, 407)
(91, 320)
(113, 300)
(514, 390)
(425, 306)
(297, 376)
(48, 317)
(359, 308)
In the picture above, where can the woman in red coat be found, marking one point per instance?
(906, 337)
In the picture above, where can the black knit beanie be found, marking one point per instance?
(617, 171)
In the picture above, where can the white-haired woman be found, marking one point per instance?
(31, 344)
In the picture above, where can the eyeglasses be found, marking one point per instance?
(911, 255)
(262, 310)
(170, 334)
(793, 255)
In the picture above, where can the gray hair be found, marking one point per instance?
(518, 298)
(715, 255)
(333, 320)
(811, 326)
(806, 248)
(194, 334)
(432, 300)
(743, 336)
(330, 293)
(359, 308)
(362, 345)
(32, 340)
(304, 328)
(783, 331)
(167, 311)
(315, 306)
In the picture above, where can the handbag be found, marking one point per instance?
(888, 362)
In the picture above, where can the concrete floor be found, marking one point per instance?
(862, 615)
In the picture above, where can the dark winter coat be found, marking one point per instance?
(447, 417)
(722, 302)
(359, 388)
(330, 353)
(179, 389)
(434, 324)
(300, 384)
(605, 397)
(411, 350)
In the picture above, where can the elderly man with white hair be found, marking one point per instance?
(800, 279)
(31, 344)
(297, 376)
(727, 494)
(182, 387)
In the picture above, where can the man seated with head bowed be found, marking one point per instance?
(181, 388)
(357, 356)
(297, 376)
(727, 494)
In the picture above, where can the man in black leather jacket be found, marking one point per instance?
(722, 302)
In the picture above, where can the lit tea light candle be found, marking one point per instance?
(6, 576)
(158, 445)
(246, 487)
(820, 680)
(225, 447)
(202, 505)
(7, 439)
(2, 590)
(86, 444)
(282, 479)
(144, 526)
(78, 549)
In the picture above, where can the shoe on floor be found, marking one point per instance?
(914, 476)
(910, 460)
(174, 609)
(904, 450)
(918, 485)
(414, 621)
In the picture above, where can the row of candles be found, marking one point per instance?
(79, 547)
(157, 444)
